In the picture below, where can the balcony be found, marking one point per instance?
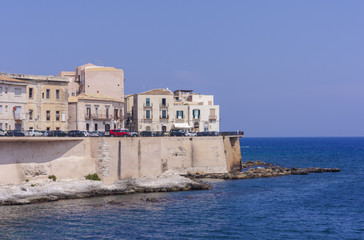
(212, 117)
(150, 105)
(147, 119)
(163, 105)
(99, 117)
(196, 118)
(164, 118)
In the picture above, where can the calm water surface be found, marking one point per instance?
(315, 206)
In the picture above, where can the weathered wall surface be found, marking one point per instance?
(114, 158)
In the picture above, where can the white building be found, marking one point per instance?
(160, 110)
(12, 104)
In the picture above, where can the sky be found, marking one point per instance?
(277, 68)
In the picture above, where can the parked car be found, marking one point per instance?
(15, 133)
(119, 133)
(146, 134)
(86, 133)
(206, 133)
(134, 134)
(177, 132)
(33, 133)
(2, 133)
(97, 134)
(57, 133)
(191, 134)
(76, 133)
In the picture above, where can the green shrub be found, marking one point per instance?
(27, 180)
(32, 185)
(54, 178)
(94, 177)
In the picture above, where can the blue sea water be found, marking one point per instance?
(315, 206)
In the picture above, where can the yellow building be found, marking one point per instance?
(47, 101)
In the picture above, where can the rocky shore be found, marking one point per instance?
(258, 169)
(48, 190)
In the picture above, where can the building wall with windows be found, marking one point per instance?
(95, 112)
(12, 104)
(150, 111)
(46, 101)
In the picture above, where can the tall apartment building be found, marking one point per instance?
(12, 104)
(96, 101)
(150, 111)
(162, 110)
(46, 105)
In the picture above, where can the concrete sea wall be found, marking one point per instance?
(115, 158)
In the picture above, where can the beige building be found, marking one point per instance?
(12, 104)
(46, 101)
(150, 111)
(96, 101)
(160, 110)
(94, 112)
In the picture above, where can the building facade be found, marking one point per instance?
(150, 111)
(46, 101)
(94, 112)
(162, 110)
(12, 104)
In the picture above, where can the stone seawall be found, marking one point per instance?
(114, 159)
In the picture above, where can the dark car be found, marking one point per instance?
(206, 133)
(15, 133)
(76, 133)
(56, 133)
(177, 132)
(146, 134)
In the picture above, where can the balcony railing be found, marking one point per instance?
(212, 117)
(99, 117)
(147, 119)
(149, 106)
(164, 118)
(179, 120)
(163, 105)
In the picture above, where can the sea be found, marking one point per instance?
(314, 206)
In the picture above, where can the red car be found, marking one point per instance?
(119, 133)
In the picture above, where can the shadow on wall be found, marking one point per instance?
(39, 152)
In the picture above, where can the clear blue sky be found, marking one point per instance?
(276, 68)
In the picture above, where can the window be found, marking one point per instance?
(196, 114)
(179, 114)
(116, 113)
(48, 115)
(30, 114)
(147, 102)
(87, 126)
(6, 89)
(48, 93)
(147, 128)
(48, 128)
(88, 111)
(57, 115)
(1, 108)
(1, 90)
(17, 91)
(57, 94)
(6, 108)
(42, 94)
(30, 93)
(96, 111)
(164, 102)
(147, 114)
(164, 114)
(107, 112)
(1, 125)
(6, 125)
(95, 126)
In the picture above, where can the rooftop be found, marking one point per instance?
(96, 97)
(158, 91)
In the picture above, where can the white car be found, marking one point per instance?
(33, 133)
(2, 132)
(191, 134)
